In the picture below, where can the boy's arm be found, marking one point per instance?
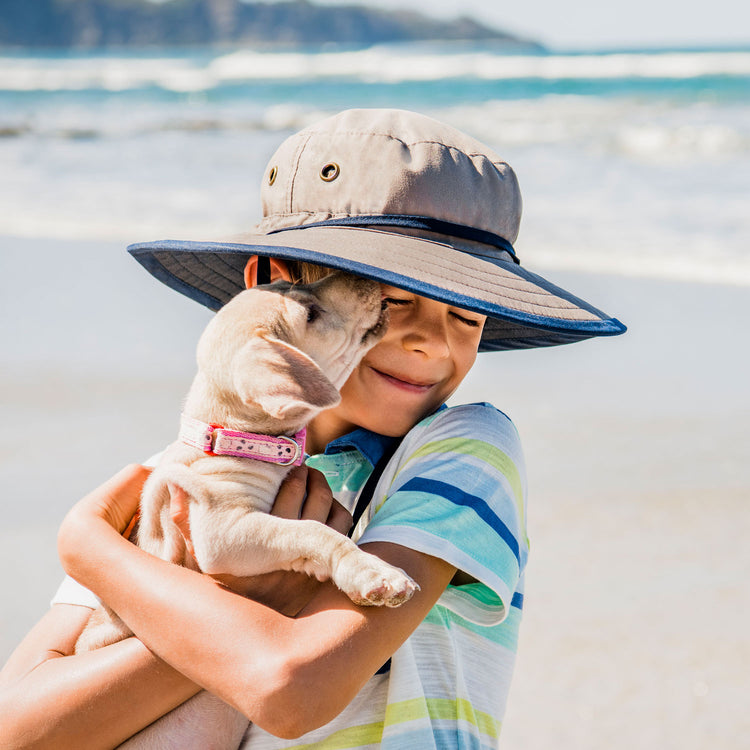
(51, 699)
(288, 675)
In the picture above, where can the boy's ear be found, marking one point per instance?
(282, 380)
(278, 271)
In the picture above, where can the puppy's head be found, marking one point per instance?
(278, 354)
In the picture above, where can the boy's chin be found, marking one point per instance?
(393, 425)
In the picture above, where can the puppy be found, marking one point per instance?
(269, 361)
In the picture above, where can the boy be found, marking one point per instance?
(432, 215)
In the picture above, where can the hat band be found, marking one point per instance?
(427, 223)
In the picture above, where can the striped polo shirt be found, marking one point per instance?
(454, 489)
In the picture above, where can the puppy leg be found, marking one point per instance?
(157, 533)
(202, 723)
(103, 628)
(233, 540)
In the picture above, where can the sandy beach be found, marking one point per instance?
(637, 614)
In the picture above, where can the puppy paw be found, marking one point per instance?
(371, 582)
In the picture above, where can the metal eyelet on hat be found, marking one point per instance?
(329, 172)
(272, 175)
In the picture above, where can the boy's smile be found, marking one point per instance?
(407, 383)
(427, 351)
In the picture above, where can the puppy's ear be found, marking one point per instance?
(282, 380)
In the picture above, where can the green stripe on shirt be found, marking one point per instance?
(436, 709)
(351, 737)
(441, 709)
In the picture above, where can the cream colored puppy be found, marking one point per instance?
(269, 361)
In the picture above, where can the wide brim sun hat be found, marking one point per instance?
(401, 198)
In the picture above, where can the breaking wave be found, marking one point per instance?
(381, 64)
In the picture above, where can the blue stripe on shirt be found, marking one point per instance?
(459, 497)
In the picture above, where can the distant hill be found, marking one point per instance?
(87, 24)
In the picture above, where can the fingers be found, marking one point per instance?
(291, 494)
(317, 504)
(339, 519)
(305, 495)
(112, 504)
(117, 499)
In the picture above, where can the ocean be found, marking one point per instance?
(630, 162)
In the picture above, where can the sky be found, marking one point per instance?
(598, 23)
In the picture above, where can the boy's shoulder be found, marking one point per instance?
(480, 420)
(477, 429)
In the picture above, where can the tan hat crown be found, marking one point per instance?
(389, 162)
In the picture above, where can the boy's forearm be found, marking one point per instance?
(93, 700)
(156, 599)
(286, 675)
(236, 648)
(241, 651)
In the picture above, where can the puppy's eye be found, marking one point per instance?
(313, 313)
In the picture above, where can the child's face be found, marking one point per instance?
(426, 353)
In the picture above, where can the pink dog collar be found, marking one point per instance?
(214, 440)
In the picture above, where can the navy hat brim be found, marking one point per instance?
(524, 310)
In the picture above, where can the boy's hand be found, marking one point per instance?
(115, 503)
(305, 495)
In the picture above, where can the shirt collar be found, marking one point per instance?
(371, 445)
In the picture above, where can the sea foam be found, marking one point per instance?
(388, 64)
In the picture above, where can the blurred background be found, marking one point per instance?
(628, 125)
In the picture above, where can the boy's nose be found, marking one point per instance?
(428, 334)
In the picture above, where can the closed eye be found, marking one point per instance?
(468, 321)
(399, 302)
(393, 301)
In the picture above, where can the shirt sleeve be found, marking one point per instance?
(457, 491)
(71, 592)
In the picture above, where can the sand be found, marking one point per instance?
(637, 614)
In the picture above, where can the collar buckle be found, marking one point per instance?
(297, 450)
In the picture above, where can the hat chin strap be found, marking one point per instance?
(426, 223)
(264, 270)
